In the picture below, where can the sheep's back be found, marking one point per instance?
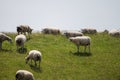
(25, 74)
(20, 37)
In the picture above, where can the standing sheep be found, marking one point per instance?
(89, 31)
(4, 37)
(23, 29)
(81, 41)
(72, 34)
(115, 33)
(51, 31)
(34, 55)
(20, 40)
(24, 75)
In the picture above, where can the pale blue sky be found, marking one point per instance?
(63, 14)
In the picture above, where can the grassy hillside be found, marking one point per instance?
(60, 60)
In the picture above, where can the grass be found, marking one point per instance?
(60, 60)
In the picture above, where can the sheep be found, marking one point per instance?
(72, 34)
(34, 55)
(51, 31)
(24, 75)
(89, 30)
(4, 37)
(20, 40)
(81, 41)
(23, 29)
(115, 33)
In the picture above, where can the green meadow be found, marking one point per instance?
(60, 61)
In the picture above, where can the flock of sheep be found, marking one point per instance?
(77, 38)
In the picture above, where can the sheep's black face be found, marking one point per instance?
(10, 40)
(19, 42)
(26, 60)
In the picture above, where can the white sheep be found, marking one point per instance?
(34, 55)
(72, 34)
(89, 30)
(51, 31)
(81, 41)
(115, 33)
(20, 40)
(24, 75)
(4, 37)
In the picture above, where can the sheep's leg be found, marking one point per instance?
(35, 63)
(31, 61)
(29, 35)
(85, 49)
(0, 45)
(18, 33)
(17, 47)
(39, 63)
(24, 33)
(89, 48)
(23, 47)
(78, 48)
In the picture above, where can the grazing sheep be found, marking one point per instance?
(4, 37)
(81, 41)
(34, 55)
(73, 34)
(89, 31)
(20, 40)
(23, 29)
(24, 75)
(115, 33)
(51, 31)
(105, 31)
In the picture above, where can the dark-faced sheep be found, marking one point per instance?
(89, 31)
(23, 29)
(24, 75)
(81, 41)
(72, 34)
(4, 37)
(51, 31)
(34, 55)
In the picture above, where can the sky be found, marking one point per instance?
(62, 14)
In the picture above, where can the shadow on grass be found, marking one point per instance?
(28, 39)
(85, 54)
(36, 68)
(22, 50)
(5, 50)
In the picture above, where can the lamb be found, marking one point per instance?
(34, 55)
(81, 41)
(51, 31)
(24, 75)
(4, 37)
(23, 29)
(20, 40)
(89, 31)
(72, 34)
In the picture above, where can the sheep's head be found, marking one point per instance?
(31, 31)
(71, 38)
(26, 59)
(10, 40)
(19, 76)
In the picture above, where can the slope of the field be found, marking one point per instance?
(60, 61)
